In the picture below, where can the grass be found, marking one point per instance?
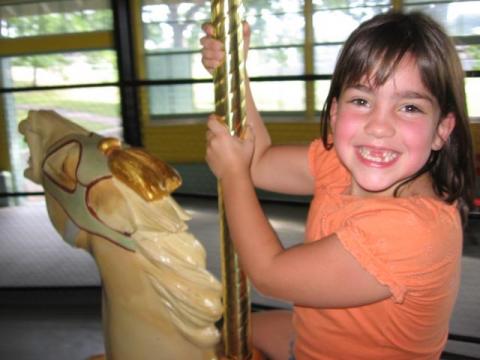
(94, 103)
(57, 99)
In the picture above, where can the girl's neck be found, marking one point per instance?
(421, 186)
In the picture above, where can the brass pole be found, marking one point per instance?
(309, 60)
(229, 83)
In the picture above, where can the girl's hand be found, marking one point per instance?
(228, 155)
(213, 51)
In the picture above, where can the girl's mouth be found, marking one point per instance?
(377, 156)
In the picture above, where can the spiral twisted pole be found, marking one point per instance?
(229, 83)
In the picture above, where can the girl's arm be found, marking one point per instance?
(274, 168)
(281, 168)
(318, 274)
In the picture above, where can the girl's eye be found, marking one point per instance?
(412, 109)
(359, 102)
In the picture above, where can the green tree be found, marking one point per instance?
(474, 54)
(40, 62)
(40, 23)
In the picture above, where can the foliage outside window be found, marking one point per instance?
(76, 84)
(172, 32)
(53, 17)
(461, 19)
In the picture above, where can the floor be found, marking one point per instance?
(50, 294)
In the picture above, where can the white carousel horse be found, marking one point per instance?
(158, 299)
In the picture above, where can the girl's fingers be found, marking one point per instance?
(208, 29)
(212, 56)
(210, 65)
(212, 53)
(246, 29)
(208, 136)
(215, 125)
(213, 128)
(211, 43)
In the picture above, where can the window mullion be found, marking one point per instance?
(309, 61)
(126, 68)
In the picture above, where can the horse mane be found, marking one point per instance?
(176, 266)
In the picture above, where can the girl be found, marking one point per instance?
(392, 179)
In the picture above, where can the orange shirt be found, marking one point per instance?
(412, 245)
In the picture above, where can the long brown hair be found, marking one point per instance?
(374, 49)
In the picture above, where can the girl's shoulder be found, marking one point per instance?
(415, 222)
(407, 242)
(415, 209)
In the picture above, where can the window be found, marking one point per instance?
(53, 17)
(279, 56)
(461, 19)
(171, 44)
(51, 56)
(333, 21)
(45, 64)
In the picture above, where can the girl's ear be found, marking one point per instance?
(444, 129)
(333, 114)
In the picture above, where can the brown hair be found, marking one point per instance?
(374, 49)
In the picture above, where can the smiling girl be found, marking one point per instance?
(392, 178)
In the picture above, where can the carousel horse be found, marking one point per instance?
(158, 299)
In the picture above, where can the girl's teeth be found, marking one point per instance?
(383, 156)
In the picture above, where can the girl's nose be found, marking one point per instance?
(380, 124)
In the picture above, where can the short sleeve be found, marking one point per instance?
(409, 246)
(325, 167)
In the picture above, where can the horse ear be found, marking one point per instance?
(61, 165)
(110, 206)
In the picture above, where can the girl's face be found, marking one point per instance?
(385, 134)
